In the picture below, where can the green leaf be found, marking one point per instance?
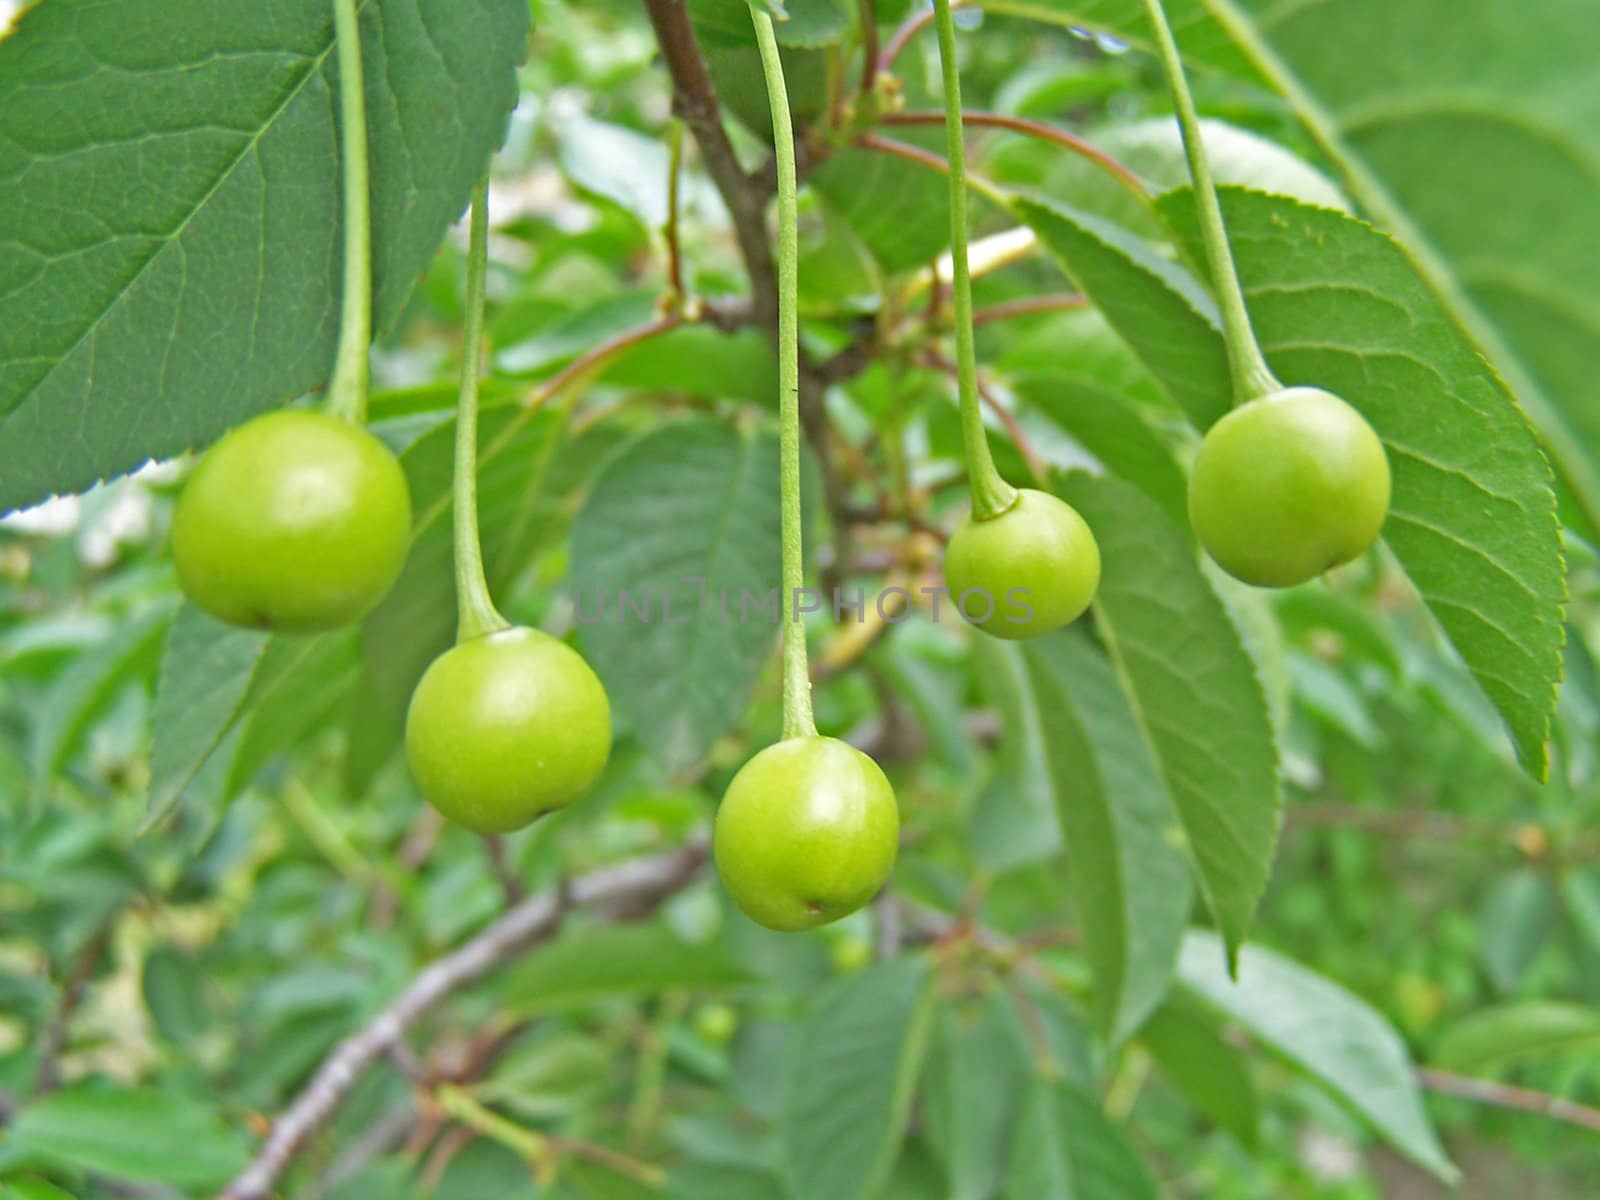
(172, 266)
(719, 1181)
(616, 960)
(849, 1078)
(1014, 820)
(173, 985)
(1159, 308)
(898, 209)
(1108, 424)
(1193, 690)
(1066, 1148)
(1519, 912)
(682, 526)
(1513, 1032)
(1212, 1075)
(1580, 890)
(206, 669)
(132, 1134)
(1494, 119)
(1339, 305)
(1331, 1035)
(976, 1070)
(1128, 878)
(84, 688)
(34, 1189)
(798, 23)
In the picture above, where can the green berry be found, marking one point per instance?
(1033, 568)
(507, 727)
(807, 833)
(296, 521)
(1289, 486)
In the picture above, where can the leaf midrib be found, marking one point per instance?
(313, 66)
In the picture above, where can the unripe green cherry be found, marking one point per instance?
(1288, 486)
(1033, 568)
(506, 727)
(296, 522)
(807, 833)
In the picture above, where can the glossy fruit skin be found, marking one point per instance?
(1038, 562)
(296, 521)
(1289, 486)
(505, 728)
(807, 833)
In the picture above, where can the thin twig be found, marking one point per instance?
(1042, 130)
(54, 1042)
(632, 887)
(901, 38)
(1023, 443)
(510, 885)
(1028, 306)
(596, 356)
(868, 16)
(695, 101)
(934, 162)
(1505, 1095)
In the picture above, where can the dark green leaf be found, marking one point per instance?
(1339, 305)
(616, 960)
(976, 1070)
(85, 687)
(851, 1071)
(132, 1134)
(1065, 1148)
(1212, 1075)
(681, 526)
(1193, 691)
(1128, 878)
(141, 309)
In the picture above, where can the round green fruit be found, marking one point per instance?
(296, 522)
(806, 834)
(1033, 568)
(1288, 486)
(507, 727)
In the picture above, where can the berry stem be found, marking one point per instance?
(1252, 378)
(476, 614)
(991, 495)
(797, 718)
(347, 392)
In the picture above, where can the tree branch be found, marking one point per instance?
(695, 102)
(629, 889)
(1505, 1095)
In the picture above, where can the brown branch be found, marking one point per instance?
(868, 15)
(1505, 1095)
(630, 888)
(84, 965)
(1028, 306)
(510, 885)
(901, 38)
(695, 102)
(1042, 130)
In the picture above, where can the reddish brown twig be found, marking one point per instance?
(1028, 306)
(1024, 444)
(1042, 130)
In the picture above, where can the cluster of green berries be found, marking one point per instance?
(299, 522)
